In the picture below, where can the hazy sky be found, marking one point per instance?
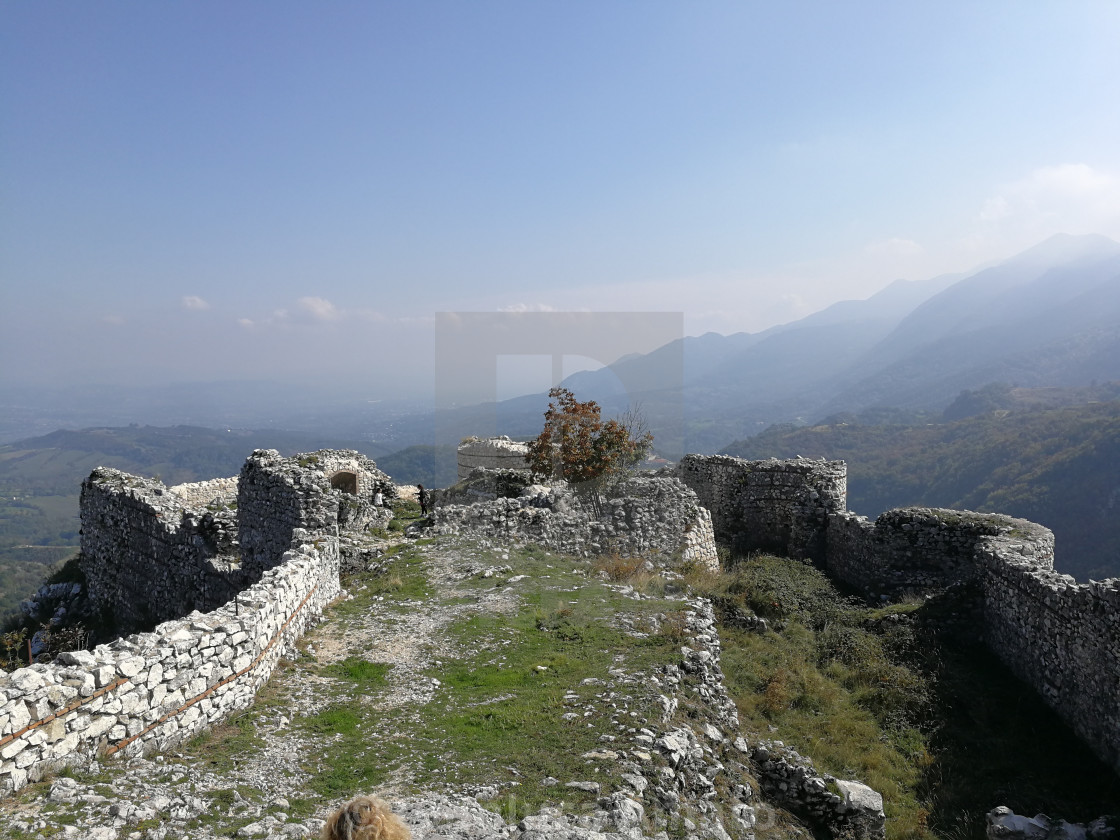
(269, 189)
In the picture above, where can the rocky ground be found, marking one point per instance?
(651, 741)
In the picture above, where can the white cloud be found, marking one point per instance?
(194, 302)
(528, 307)
(319, 309)
(312, 311)
(1066, 198)
(113, 320)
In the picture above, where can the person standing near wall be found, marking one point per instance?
(425, 498)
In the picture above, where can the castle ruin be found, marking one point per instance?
(220, 578)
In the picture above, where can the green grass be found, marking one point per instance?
(221, 746)
(403, 580)
(497, 717)
(363, 673)
(885, 696)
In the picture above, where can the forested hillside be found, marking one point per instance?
(1059, 467)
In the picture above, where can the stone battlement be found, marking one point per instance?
(221, 583)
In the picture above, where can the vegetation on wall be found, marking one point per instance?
(578, 447)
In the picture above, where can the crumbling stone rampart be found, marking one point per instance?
(224, 607)
(921, 549)
(1057, 635)
(316, 491)
(215, 492)
(1061, 637)
(148, 557)
(646, 515)
(153, 690)
(776, 506)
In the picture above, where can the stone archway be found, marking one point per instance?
(345, 481)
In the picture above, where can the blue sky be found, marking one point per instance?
(293, 190)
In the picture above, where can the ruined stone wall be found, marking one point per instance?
(1057, 635)
(277, 495)
(153, 690)
(498, 453)
(654, 516)
(483, 484)
(1061, 637)
(228, 611)
(148, 557)
(916, 549)
(217, 492)
(775, 506)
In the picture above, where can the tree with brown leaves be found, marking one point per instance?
(577, 446)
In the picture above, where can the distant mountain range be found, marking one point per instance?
(1049, 316)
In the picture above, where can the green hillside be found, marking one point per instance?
(1059, 467)
(432, 466)
(40, 479)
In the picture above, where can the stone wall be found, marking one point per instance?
(153, 690)
(657, 516)
(1061, 637)
(482, 485)
(920, 549)
(147, 557)
(277, 494)
(775, 506)
(215, 492)
(497, 453)
(228, 606)
(1057, 635)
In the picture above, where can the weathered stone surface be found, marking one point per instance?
(656, 516)
(497, 453)
(1061, 637)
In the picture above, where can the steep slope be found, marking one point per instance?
(1049, 316)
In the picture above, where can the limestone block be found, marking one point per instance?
(13, 748)
(99, 725)
(130, 666)
(155, 675)
(26, 680)
(18, 715)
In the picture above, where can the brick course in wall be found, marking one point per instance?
(227, 606)
(153, 690)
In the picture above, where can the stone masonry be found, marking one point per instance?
(776, 506)
(228, 607)
(657, 516)
(1059, 636)
(497, 453)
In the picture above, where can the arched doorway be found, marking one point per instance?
(347, 482)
